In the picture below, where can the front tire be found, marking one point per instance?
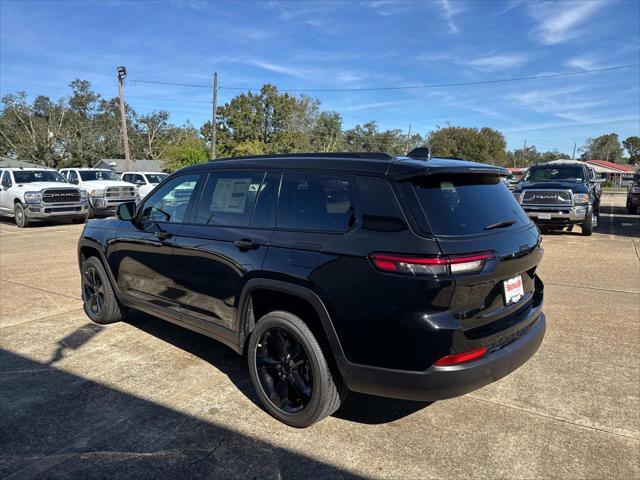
(290, 373)
(99, 300)
(92, 212)
(587, 225)
(20, 216)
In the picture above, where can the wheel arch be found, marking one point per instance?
(321, 325)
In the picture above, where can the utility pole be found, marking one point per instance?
(122, 74)
(213, 116)
(573, 155)
(524, 151)
(408, 140)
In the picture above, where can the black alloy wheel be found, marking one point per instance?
(284, 370)
(93, 290)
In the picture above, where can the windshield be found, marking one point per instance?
(88, 175)
(155, 177)
(554, 174)
(30, 176)
(467, 204)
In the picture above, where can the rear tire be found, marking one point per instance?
(290, 373)
(587, 225)
(20, 215)
(99, 300)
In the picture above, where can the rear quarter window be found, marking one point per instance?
(466, 204)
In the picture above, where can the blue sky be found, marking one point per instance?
(360, 44)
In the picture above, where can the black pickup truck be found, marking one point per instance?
(559, 195)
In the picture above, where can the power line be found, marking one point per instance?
(401, 87)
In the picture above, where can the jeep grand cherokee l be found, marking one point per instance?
(406, 277)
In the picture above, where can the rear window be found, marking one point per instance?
(467, 204)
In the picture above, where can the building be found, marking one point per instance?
(118, 165)
(6, 162)
(616, 173)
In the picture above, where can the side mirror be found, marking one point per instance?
(126, 211)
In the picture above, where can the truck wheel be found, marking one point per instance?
(290, 373)
(99, 301)
(20, 216)
(92, 212)
(587, 225)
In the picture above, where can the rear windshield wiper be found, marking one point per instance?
(505, 223)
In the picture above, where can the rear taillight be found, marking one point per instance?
(460, 357)
(431, 265)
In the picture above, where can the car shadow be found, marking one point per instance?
(358, 408)
(56, 424)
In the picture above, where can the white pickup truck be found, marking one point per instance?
(106, 190)
(145, 181)
(28, 194)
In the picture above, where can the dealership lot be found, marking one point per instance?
(148, 399)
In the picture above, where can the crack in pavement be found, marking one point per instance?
(40, 289)
(553, 417)
(592, 288)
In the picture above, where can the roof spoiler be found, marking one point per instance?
(420, 153)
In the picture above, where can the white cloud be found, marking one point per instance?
(450, 12)
(277, 68)
(496, 62)
(558, 22)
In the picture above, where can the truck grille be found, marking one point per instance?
(547, 197)
(61, 196)
(121, 192)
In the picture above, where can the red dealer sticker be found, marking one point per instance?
(513, 290)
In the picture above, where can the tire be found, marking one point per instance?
(79, 220)
(99, 300)
(20, 216)
(92, 212)
(316, 392)
(587, 225)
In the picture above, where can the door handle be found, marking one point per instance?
(162, 235)
(245, 244)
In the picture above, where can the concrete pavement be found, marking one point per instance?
(147, 399)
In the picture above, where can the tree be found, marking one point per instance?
(187, 148)
(153, 128)
(485, 145)
(605, 147)
(33, 132)
(632, 146)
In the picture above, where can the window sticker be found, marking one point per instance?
(230, 195)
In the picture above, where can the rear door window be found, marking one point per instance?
(229, 197)
(467, 204)
(316, 202)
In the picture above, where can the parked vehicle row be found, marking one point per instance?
(29, 194)
(404, 277)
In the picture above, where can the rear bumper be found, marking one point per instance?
(438, 383)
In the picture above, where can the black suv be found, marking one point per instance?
(633, 194)
(558, 195)
(406, 277)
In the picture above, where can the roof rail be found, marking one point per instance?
(364, 155)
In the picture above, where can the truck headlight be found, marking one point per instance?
(97, 193)
(581, 198)
(32, 197)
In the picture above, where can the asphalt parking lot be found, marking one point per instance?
(146, 399)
